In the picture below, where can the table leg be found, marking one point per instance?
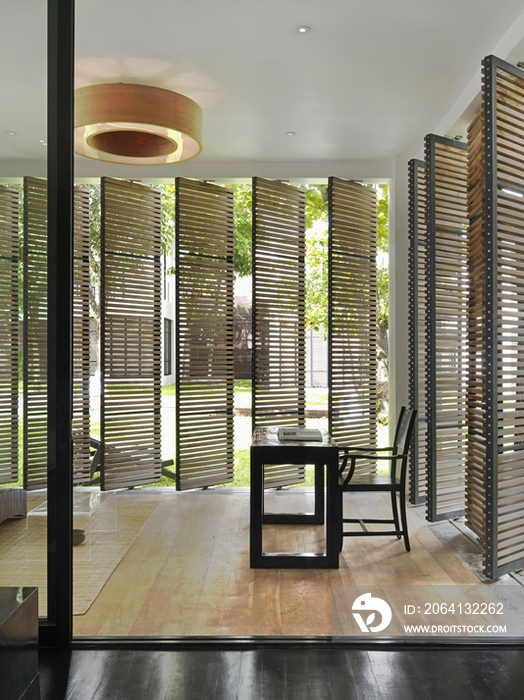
(319, 493)
(284, 560)
(333, 515)
(256, 514)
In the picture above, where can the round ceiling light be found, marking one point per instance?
(136, 124)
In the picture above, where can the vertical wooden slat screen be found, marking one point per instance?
(35, 334)
(9, 335)
(417, 329)
(279, 370)
(496, 252)
(476, 407)
(204, 334)
(131, 311)
(81, 355)
(447, 325)
(352, 341)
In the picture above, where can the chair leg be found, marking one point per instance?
(341, 516)
(404, 520)
(395, 511)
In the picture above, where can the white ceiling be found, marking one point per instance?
(361, 88)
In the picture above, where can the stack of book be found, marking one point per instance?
(299, 435)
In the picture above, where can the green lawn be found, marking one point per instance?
(316, 397)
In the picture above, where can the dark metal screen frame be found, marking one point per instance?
(431, 406)
(417, 482)
(58, 631)
(492, 186)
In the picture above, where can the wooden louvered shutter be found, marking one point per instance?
(35, 334)
(204, 334)
(131, 310)
(447, 325)
(278, 314)
(9, 335)
(495, 469)
(476, 407)
(81, 354)
(417, 329)
(352, 342)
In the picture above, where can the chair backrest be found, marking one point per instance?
(404, 430)
(403, 433)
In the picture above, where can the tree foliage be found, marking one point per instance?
(168, 217)
(316, 251)
(317, 254)
(382, 219)
(382, 269)
(242, 215)
(316, 210)
(316, 248)
(242, 260)
(317, 279)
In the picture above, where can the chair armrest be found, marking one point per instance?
(367, 448)
(368, 455)
(353, 456)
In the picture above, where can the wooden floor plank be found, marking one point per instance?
(187, 573)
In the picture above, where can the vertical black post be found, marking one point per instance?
(25, 348)
(177, 333)
(414, 364)
(413, 320)
(330, 307)
(300, 347)
(60, 319)
(102, 339)
(431, 349)
(253, 304)
(490, 155)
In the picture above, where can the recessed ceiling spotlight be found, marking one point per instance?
(458, 137)
(11, 133)
(290, 133)
(303, 29)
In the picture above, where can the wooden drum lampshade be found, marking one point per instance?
(136, 124)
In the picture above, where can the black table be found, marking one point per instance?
(267, 449)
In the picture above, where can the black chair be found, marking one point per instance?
(393, 483)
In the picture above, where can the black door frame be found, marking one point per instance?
(57, 630)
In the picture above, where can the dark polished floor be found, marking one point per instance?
(275, 674)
